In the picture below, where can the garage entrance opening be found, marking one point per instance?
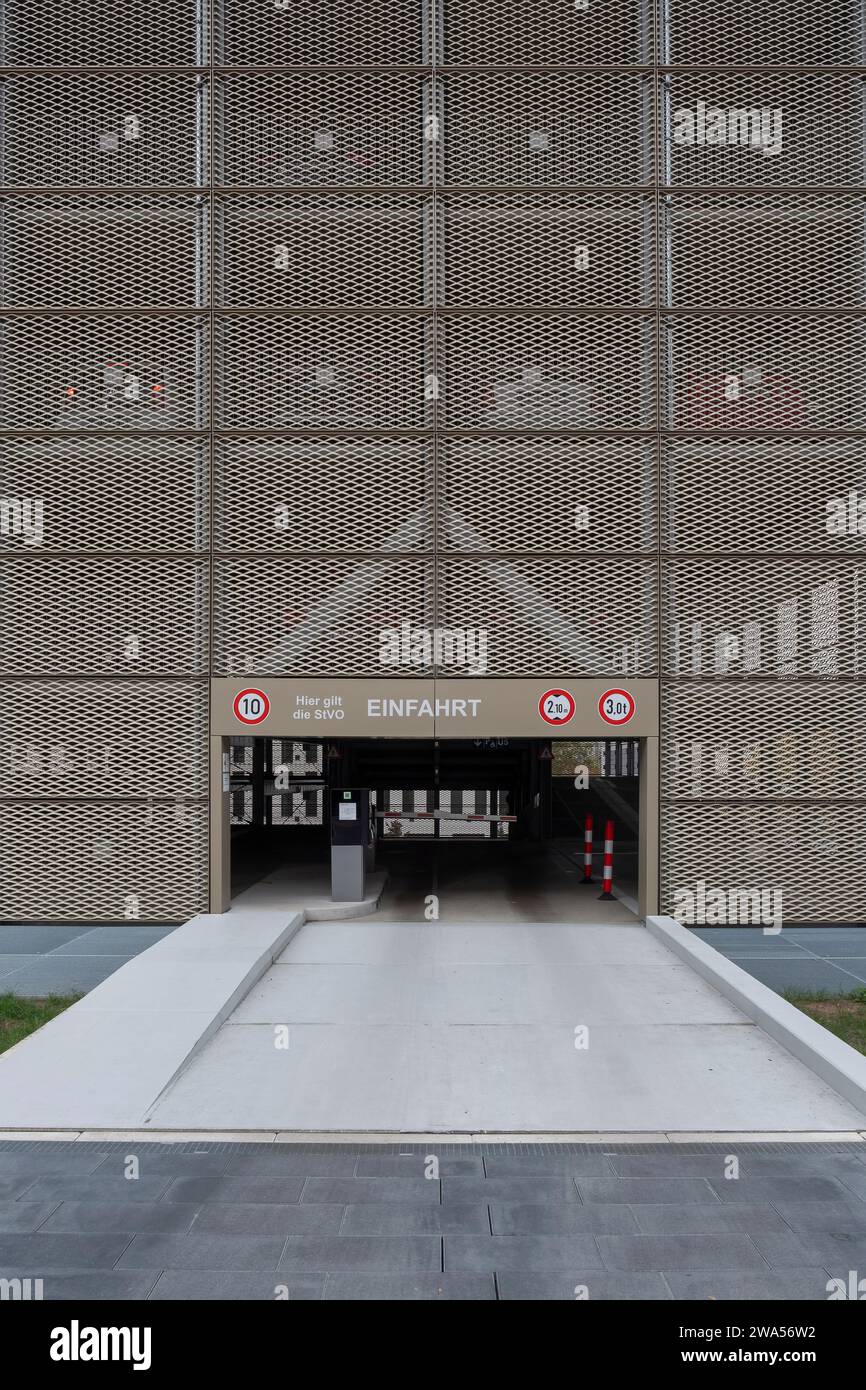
(488, 829)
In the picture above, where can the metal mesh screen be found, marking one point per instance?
(103, 861)
(323, 31)
(39, 33)
(777, 31)
(534, 31)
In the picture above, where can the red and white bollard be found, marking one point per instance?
(587, 849)
(607, 880)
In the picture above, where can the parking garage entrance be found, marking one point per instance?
(466, 829)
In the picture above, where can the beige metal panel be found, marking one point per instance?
(99, 861)
(546, 372)
(354, 249)
(798, 741)
(544, 128)
(747, 249)
(771, 495)
(323, 495)
(123, 249)
(587, 616)
(536, 494)
(315, 615)
(91, 496)
(322, 128)
(321, 31)
(392, 706)
(563, 250)
(812, 855)
(64, 130)
(802, 150)
(79, 738)
(751, 618)
(106, 616)
(122, 373)
(323, 372)
(138, 32)
(518, 31)
(648, 857)
(776, 31)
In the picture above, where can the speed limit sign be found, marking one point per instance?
(251, 706)
(616, 706)
(556, 706)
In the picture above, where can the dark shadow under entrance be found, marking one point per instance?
(485, 829)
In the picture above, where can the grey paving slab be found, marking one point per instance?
(346, 1190)
(415, 1288)
(801, 1189)
(806, 976)
(387, 1166)
(694, 1250)
(160, 1165)
(279, 1191)
(204, 1251)
(645, 1190)
(599, 1286)
(20, 939)
(479, 1254)
(82, 1188)
(546, 1166)
(12, 1188)
(10, 965)
(59, 1161)
(104, 1217)
(855, 1181)
(56, 974)
(560, 1219)
(269, 1218)
(291, 1164)
(235, 1286)
(407, 1219)
(113, 941)
(78, 1251)
(511, 1189)
(86, 1285)
(805, 1284)
(827, 1218)
(394, 1254)
(24, 1217)
(674, 1219)
(837, 1253)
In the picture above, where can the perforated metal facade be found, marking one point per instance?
(548, 318)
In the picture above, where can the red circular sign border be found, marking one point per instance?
(250, 690)
(557, 690)
(617, 723)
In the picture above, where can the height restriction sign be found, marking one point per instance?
(616, 706)
(556, 706)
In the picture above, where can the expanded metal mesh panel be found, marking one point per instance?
(546, 249)
(124, 249)
(357, 249)
(766, 373)
(298, 758)
(241, 806)
(768, 495)
(750, 249)
(762, 617)
(103, 494)
(546, 372)
(323, 31)
(323, 495)
(396, 824)
(776, 31)
(103, 130)
(40, 33)
(521, 128)
(535, 31)
(324, 128)
(296, 808)
(764, 129)
(103, 862)
(546, 494)
(118, 373)
(117, 616)
(555, 615)
(797, 741)
(318, 616)
(813, 856)
(104, 738)
(353, 372)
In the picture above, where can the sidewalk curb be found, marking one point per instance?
(841, 1066)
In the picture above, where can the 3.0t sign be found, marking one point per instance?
(251, 706)
(616, 706)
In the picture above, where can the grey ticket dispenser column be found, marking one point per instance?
(350, 843)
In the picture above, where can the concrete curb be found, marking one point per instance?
(827, 1056)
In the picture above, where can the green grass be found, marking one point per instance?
(19, 1016)
(842, 1014)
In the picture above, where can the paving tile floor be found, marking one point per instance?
(829, 959)
(362, 1222)
(37, 959)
